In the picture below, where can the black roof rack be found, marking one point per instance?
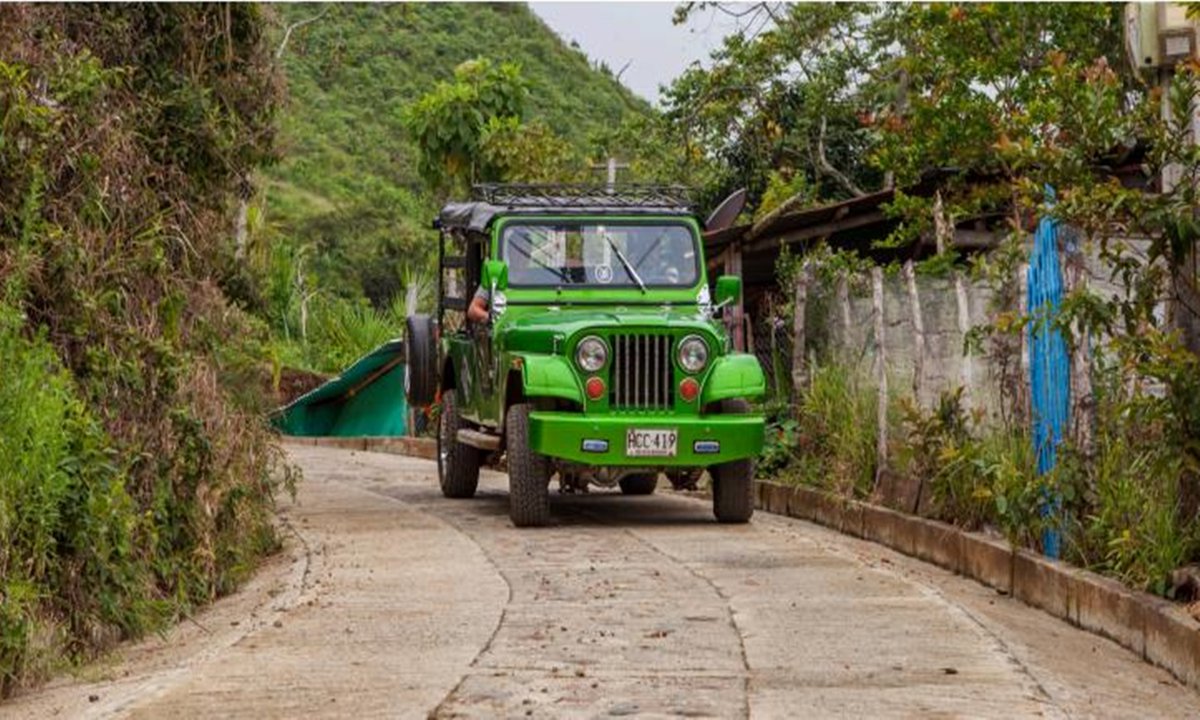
(577, 195)
(491, 200)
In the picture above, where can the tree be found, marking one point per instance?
(788, 93)
(448, 123)
(527, 152)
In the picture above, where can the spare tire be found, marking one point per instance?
(420, 358)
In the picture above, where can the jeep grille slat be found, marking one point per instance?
(641, 374)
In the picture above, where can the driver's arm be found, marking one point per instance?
(477, 311)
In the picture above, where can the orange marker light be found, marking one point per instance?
(595, 388)
(689, 389)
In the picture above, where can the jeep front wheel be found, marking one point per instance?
(458, 464)
(528, 473)
(733, 482)
(639, 484)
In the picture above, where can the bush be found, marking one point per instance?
(69, 532)
(341, 331)
(976, 478)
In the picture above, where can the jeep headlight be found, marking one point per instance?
(693, 354)
(591, 353)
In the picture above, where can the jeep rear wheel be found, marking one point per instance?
(639, 484)
(458, 464)
(528, 473)
(733, 482)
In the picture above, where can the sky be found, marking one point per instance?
(638, 33)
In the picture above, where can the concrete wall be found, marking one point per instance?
(839, 326)
(830, 338)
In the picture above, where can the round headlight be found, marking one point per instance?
(591, 354)
(693, 354)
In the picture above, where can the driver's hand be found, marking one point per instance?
(478, 311)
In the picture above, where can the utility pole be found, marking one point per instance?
(611, 166)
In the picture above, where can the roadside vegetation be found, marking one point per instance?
(818, 103)
(138, 472)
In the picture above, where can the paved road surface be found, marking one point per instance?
(393, 602)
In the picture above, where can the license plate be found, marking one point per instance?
(651, 443)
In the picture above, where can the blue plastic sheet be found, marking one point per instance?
(1049, 363)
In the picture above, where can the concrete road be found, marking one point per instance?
(394, 602)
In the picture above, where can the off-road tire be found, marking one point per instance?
(733, 482)
(420, 359)
(639, 484)
(528, 473)
(458, 464)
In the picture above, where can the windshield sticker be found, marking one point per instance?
(604, 274)
(551, 250)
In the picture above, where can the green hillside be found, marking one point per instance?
(347, 189)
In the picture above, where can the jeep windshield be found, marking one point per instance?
(600, 255)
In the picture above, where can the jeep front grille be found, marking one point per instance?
(642, 372)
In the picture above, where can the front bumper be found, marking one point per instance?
(562, 435)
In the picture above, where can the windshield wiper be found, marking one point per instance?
(624, 261)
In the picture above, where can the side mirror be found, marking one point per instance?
(729, 290)
(495, 274)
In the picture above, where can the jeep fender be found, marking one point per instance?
(737, 375)
(549, 376)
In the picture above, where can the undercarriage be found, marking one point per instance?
(577, 478)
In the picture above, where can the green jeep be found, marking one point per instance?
(598, 355)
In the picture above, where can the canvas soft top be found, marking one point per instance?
(491, 201)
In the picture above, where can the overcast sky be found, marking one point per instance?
(638, 33)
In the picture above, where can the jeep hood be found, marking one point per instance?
(539, 330)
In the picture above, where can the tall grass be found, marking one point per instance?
(1133, 518)
(136, 470)
(831, 441)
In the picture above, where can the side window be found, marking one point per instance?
(473, 263)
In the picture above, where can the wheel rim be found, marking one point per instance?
(443, 448)
(443, 445)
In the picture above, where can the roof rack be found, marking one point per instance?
(578, 195)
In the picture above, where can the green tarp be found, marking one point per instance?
(367, 399)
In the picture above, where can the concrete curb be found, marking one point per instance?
(1152, 627)
(412, 446)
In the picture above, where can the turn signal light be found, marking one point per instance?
(594, 388)
(689, 389)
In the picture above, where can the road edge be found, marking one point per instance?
(425, 448)
(1150, 626)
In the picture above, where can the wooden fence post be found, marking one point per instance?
(914, 299)
(1081, 411)
(1024, 407)
(733, 266)
(966, 374)
(880, 374)
(799, 340)
(843, 299)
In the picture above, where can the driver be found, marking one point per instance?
(477, 310)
